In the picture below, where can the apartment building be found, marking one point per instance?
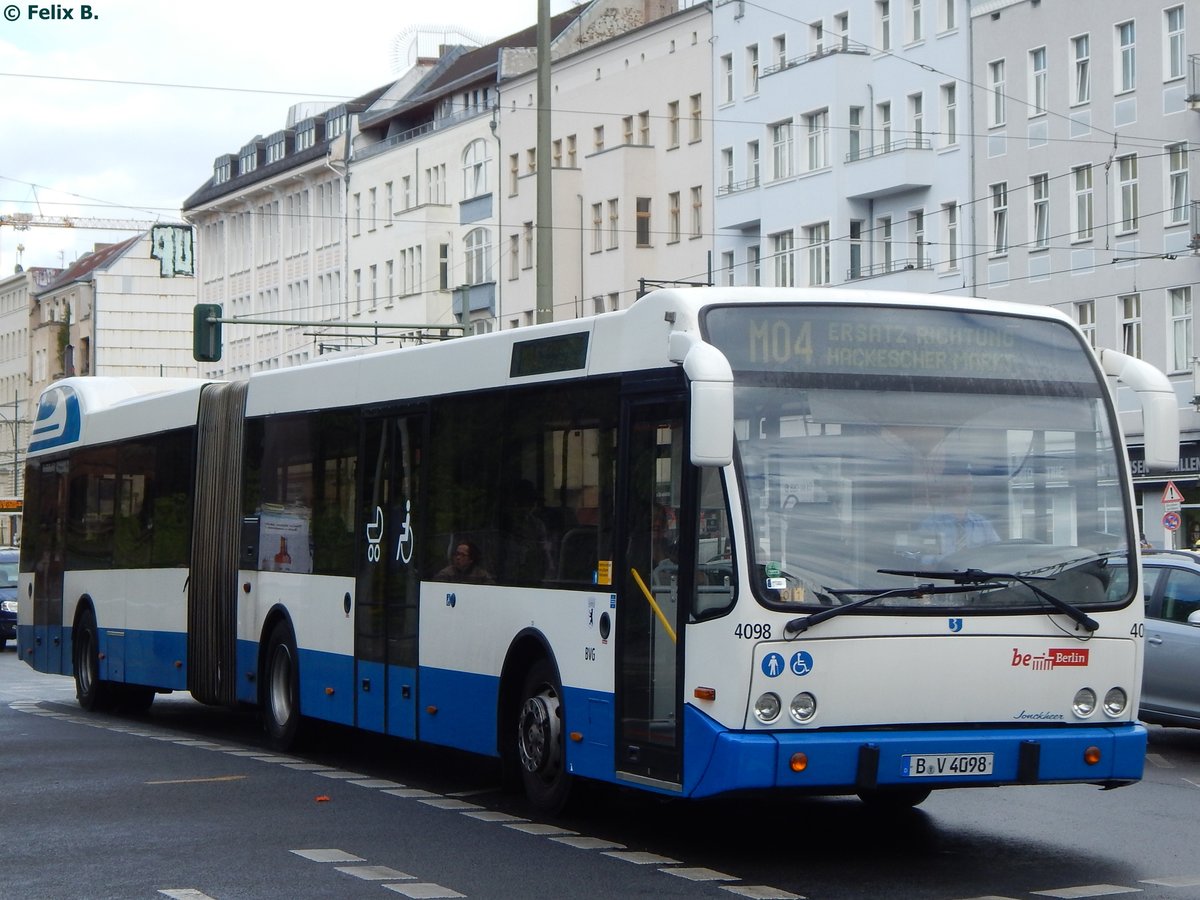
(843, 149)
(1086, 122)
(631, 161)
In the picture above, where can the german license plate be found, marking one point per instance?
(935, 765)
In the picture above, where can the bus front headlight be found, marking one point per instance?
(1085, 702)
(803, 707)
(1115, 702)
(766, 708)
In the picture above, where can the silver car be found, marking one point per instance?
(1171, 683)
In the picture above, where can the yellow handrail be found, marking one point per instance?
(654, 605)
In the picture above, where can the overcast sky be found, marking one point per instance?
(121, 115)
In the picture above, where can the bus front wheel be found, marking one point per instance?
(90, 690)
(281, 689)
(541, 750)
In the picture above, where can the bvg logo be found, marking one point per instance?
(1051, 659)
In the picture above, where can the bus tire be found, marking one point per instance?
(281, 689)
(134, 698)
(541, 743)
(91, 691)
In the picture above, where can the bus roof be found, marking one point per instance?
(97, 409)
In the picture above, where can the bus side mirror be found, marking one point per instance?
(712, 405)
(1160, 406)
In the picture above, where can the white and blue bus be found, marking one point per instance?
(727, 540)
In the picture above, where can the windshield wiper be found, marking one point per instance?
(977, 576)
(798, 626)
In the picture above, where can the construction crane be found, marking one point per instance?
(24, 221)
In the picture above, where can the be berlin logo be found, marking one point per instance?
(54, 12)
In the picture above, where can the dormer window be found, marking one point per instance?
(222, 169)
(248, 160)
(276, 148)
(335, 123)
(306, 136)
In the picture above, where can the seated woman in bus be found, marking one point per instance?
(464, 566)
(954, 525)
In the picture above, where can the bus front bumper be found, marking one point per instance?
(834, 762)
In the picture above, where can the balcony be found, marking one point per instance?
(851, 47)
(894, 167)
(1193, 83)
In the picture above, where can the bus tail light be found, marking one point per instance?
(798, 762)
(1091, 755)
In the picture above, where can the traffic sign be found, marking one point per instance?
(1172, 494)
(1171, 521)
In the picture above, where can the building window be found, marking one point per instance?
(613, 224)
(727, 269)
(475, 168)
(1131, 324)
(950, 235)
(999, 218)
(644, 128)
(598, 138)
(883, 231)
(752, 70)
(752, 163)
(1173, 51)
(1040, 198)
(841, 25)
(673, 217)
(753, 265)
(781, 149)
(697, 120)
(917, 219)
(782, 250)
(372, 210)
(996, 109)
(727, 78)
(643, 222)
(1181, 327)
(779, 51)
(1085, 312)
(627, 130)
(949, 15)
(597, 227)
(1177, 184)
(477, 247)
(856, 248)
(915, 30)
(726, 172)
(1037, 82)
(1081, 209)
(817, 238)
(527, 244)
(443, 267)
(817, 126)
(854, 132)
(1081, 91)
(916, 119)
(1127, 194)
(356, 218)
(949, 114)
(1124, 70)
(884, 113)
(673, 124)
(883, 25)
(697, 212)
(570, 151)
(816, 38)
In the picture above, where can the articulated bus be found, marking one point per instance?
(724, 541)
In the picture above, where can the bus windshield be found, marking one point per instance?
(880, 440)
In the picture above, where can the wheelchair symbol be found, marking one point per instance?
(801, 663)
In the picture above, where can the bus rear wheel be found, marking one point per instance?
(90, 690)
(541, 749)
(281, 689)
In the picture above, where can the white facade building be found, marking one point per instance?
(843, 150)
(631, 146)
(1087, 125)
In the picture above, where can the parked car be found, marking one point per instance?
(9, 557)
(1171, 681)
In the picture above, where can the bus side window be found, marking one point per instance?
(715, 580)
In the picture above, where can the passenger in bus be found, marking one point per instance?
(464, 566)
(953, 525)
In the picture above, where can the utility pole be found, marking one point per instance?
(545, 206)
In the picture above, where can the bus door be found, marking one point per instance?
(48, 536)
(385, 618)
(652, 578)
